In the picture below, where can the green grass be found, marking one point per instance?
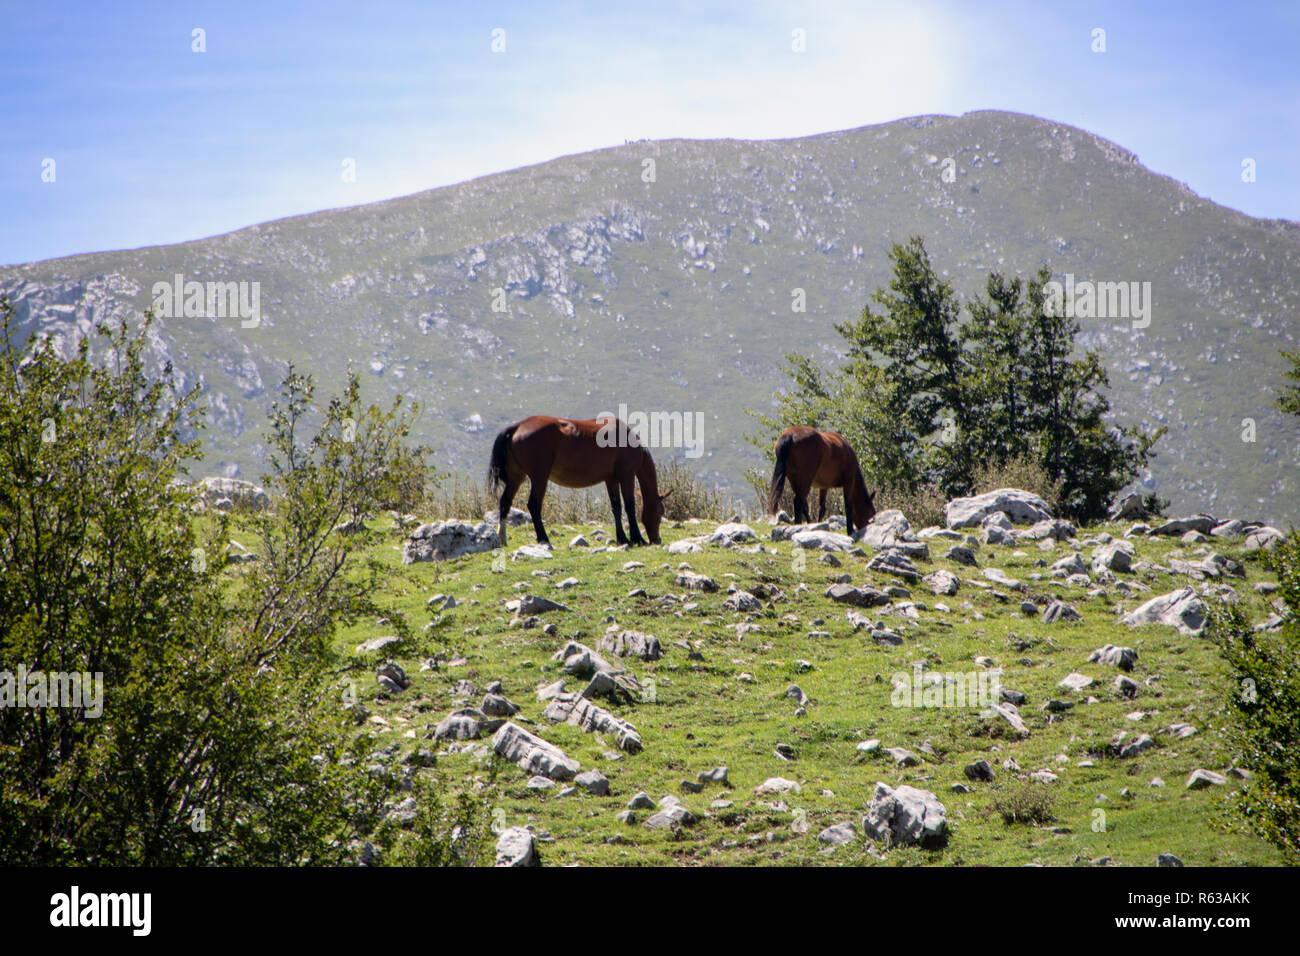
(705, 715)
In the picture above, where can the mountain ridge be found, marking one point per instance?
(670, 281)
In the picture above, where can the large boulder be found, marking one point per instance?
(731, 534)
(695, 582)
(1129, 506)
(515, 518)
(580, 712)
(1022, 507)
(905, 816)
(891, 529)
(445, 540)
(784, 532)
(1115, 556)
(822, 541)
(686, 546)
(996, 528)
(533, 754)
(895, 563)
(631, 644)
(858, 597)
(1180, 526)
(1054, 528)
(581, 661)
(531, 604)
(1122, 657)
(1263, 538)
(1180, 609)
(469, 723)
(515, 847)
(942, 583)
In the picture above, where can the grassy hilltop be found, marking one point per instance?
(720, 699)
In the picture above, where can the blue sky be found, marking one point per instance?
(154, 143)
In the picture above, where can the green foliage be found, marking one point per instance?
(922, 505)
(1025, 801)
(688, 495)
(1022, 471)
(222, 737)
(927, 398)
(312, 571)
(443, 834)
(406, 480)
(1264, 702)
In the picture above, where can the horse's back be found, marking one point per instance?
(569, 449)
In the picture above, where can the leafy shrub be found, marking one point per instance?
(1264, 704)
(1024, 802)
(689, 496)
(222, 736)
(1023, 472)
(923, 505)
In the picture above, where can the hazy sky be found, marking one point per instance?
(155, 143)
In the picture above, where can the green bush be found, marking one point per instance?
(1264, 707)
(222, 737)
(1023, 472)
(689, 496)
(1024, 802)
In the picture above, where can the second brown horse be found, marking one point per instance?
(808, 459)
(576, 453)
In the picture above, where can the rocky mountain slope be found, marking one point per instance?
(661, 275)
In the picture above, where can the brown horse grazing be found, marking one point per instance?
(821, 460)
(567, 452)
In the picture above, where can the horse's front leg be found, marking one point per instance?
(612, 487)
(536, 493)
(629, 503)
(821, 503)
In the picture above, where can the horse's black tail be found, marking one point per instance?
(783, 446)
(497, 464)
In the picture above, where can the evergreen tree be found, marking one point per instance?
(932, 398)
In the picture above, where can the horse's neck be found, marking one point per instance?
(647, 476)
(856, 488)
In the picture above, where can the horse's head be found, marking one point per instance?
(870, 511)
(652, 515)
(859, 504)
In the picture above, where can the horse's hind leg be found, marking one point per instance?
(821, 504)
(612, 487)
(536, 492)
(507, 498)
(800, 502)
(629, 503)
